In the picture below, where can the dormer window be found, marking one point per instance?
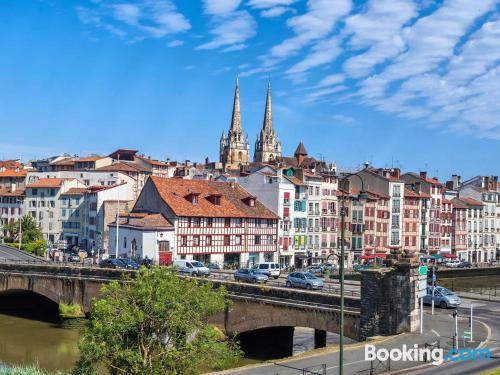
(249, 201)
(193, 198)
(215, 199)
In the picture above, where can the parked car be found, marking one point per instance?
(305, 280)
(250, 275)
(112, 263)
(214, 266)
(464, 264)
(191, 267)
(270, 269)
(316, 269)
(130, 264)
(452, 263)
(443, 297)
(73, 258)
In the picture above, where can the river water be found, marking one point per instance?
(27, 341)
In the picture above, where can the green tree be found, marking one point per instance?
(30, 231)
(156, 324)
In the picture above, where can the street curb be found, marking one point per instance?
(309, 354)
(426, 365)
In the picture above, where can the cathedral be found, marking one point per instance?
(235, 148)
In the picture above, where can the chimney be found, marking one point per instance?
(456, 181)
(423, 175)
(486, 182)
(206, 161)
(396, 173)
(418, 187)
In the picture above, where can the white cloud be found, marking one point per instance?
(379, 31)
(322, 53)
(315, 24)
(137, 20)
(220, 7)
(343, 119)
(232, 31)
(318, 94)
(331, 80)
(275, 12)
(262, 4)
(176, 43)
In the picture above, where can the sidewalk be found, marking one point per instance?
(437, 328)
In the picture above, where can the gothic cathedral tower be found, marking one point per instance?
(267, 145)
(235, 148)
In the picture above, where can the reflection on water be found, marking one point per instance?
(27, 342)
(472, 284)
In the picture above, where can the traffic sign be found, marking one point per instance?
(422, 270)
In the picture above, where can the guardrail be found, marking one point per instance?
(327, 288)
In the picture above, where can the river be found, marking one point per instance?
(27, 341)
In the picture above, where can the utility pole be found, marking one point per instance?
(455, 337)
(117, 212)
(471, 316)
(433, 286)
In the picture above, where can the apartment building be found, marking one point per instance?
(386, 182)
(46, 200)
(329, 212)
(412, 220)
(276, 189)
(446, 226)
(459, 234)
(475, 251)
(433, 188)
(11, 207)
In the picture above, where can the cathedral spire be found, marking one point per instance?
(236, 119)
(267, 126)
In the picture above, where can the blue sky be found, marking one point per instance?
(414, 84)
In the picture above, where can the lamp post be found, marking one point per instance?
(20, 223)
(362, 197)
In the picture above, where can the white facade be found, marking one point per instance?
(139, 243)
(278, 194)
(87, 178)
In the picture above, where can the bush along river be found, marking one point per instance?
(33, 334)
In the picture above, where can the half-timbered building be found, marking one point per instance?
(216, 222)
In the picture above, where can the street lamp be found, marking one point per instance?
(20, 222)
(362, 197)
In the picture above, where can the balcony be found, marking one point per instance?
(286, 203)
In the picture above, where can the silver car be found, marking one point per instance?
(305, 280)
(443, 297)
(250, 275)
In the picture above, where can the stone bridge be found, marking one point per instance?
(255, 309)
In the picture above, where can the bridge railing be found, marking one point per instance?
(327, 288)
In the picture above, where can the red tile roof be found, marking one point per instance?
(14, 173)
(145, 221)
(10, 164)
(9, 193)
(471, 202)
(173, 192)
(457, 203)
(413, 194)
(76, 191)
(49, 182)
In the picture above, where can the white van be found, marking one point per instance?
(191, 267)
(270, 269)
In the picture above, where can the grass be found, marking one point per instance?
(70, 310)
(32, 370)
(492, 372)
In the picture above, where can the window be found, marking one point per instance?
(257, 239)
(184, 240)
(196, 222)
(34, 191)
(227, 240)
(237, 240)
(210, 222)
(196, 240)
(227, 222)
(208, 241)
(237, 222)
(124, 242)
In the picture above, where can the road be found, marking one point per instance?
(10, 254)
(487, 312)
(438, 327)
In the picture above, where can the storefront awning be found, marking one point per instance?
(373, 256)
(450, 256)
(437, 256)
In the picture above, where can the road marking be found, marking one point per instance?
(435, 332)
(347, 364)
